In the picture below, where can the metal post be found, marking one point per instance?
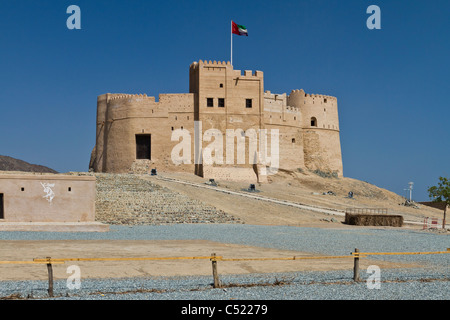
(356, 267)
(231, 31)
(410, 190)
(50, 277)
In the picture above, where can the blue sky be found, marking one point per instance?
(392, 84)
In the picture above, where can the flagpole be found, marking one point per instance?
(231, 32)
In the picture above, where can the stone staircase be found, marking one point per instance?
(126, 199)
(140, 166)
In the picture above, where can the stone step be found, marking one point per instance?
(128, 199)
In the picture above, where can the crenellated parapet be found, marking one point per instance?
(214, 63)
(209, 64)
(318, 111)
(117, 96)
(300, 96)
(125, 106)
(248, 74)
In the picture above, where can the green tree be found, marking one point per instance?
(441, 192)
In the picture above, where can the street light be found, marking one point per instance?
(410, 190)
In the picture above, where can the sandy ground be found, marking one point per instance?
(306, 189)
(27, 250)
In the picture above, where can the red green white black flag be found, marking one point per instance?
(238, 29)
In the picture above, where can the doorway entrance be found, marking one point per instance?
(143, 146)
(2, 213)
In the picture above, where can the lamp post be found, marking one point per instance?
(410, 190)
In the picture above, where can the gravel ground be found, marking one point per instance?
(406, 284)
(428, 283)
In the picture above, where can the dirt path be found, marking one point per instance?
(284, 204)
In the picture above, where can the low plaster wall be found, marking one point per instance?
(48, 198)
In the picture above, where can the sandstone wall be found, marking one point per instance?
(287, 120)
(320, 124)
(126, 116)
(48, 198)
(217, 80)
(302, 144)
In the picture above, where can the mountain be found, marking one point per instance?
(11, 164)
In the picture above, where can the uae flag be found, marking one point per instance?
(238, 29)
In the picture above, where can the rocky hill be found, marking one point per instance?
(12, 164)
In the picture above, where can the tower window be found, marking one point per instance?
(313, 122)
(221, 102)
(293, 140)
(221, 85)
(248, 103)
(209, 102)
(325, 100)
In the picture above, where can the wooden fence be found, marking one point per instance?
(356, 256)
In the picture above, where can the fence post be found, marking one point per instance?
(215, 273)
(356, 266)
(445, 214)
(50, 277)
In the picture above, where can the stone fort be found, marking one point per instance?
(134, 132)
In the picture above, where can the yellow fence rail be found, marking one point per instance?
(121, 259)
(30, 262)
(361, 254)
(356, 255)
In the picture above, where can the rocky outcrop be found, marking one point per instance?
(12, 164)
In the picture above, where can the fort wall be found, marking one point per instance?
(121, 117)
(222, 94)
(278, 115)
(220, 98)
(320, 124)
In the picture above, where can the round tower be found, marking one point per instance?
(320, 124)
(96, 162)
